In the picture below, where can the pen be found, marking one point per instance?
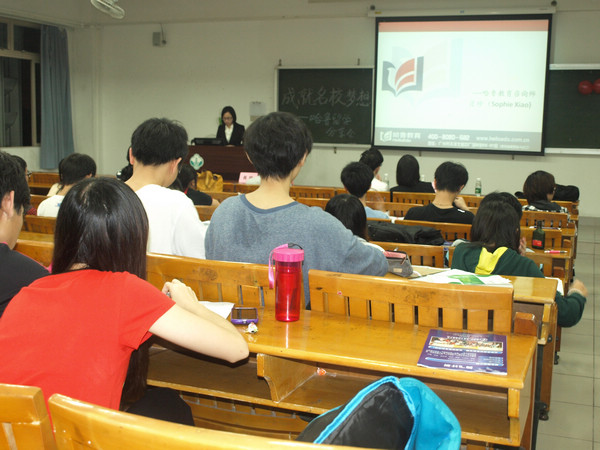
(555, 251)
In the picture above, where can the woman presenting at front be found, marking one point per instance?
(230, 132)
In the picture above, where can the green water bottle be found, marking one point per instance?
(538, 239)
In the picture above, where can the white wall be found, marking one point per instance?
(119, 79)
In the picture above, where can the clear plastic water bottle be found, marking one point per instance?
(478, 187)
(386, 180)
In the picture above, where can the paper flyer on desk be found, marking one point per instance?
(455, 276)
(467, 352)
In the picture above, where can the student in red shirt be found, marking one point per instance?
(73, 332)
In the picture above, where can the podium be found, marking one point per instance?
(225, 161)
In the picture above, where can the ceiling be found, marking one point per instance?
(81, 13)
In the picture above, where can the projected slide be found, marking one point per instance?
(467, 84)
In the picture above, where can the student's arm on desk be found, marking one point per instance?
(190, 325)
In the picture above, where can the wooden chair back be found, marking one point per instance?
(82, 425)
(39, 224)
(548, 219)
(472, 201)
(450, 231)
(245, 188)
(220, 196)
(377, 196)
(312, 201)
(48, 178)
(394, 209)
(419, 255)
(37, 250)
(37, 199)
(219, 281)
(205, 212)
(312, 191)
(416, 198)
(553, 237)
(464, 307)
(25, 421)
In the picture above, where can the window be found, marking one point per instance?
(20, 84)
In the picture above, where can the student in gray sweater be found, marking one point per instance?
(248, 227)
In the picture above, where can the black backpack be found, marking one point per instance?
(408, 234)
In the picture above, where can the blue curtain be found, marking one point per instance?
(57, 128)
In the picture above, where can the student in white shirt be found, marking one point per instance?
(158, 147)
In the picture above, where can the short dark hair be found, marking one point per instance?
(101, 223)
(356, 178)
(506, 197)
(230, 110)
(407, 171)
(21, 162)
(450, 176)
(75, 167)
(159, 141)
(350, 211)
(496, 224)
(12, 178)
(276, 143)
(372, 158)
(538, 185)
(186, 175)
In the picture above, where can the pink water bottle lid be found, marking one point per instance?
(283, 253)
(288, 254)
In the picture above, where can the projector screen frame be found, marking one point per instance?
(537, 151)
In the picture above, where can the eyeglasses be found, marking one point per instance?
(28, 174)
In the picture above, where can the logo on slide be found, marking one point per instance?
(407, 77)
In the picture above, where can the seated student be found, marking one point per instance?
(32, 210)
(408, 177)
(16, 270)
(73, 332)
(539, 190)
(248, 227)
(374, 159)
(349, 210)
(186, 183)
(495, 249)
(72, 169)
(157, 148)
(356, 178)
(449, 179)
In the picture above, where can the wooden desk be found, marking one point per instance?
(353, 353)
(224, 160)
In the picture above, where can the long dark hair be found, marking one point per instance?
(496, 225)
(407, 171)
(350, 211)
(102, 225)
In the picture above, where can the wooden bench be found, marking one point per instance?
(39, 224)
(24, 418)
(83, 425)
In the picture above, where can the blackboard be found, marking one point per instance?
(572, 119)
(335, 103)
